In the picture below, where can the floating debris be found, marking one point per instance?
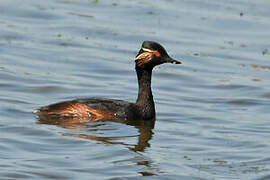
(256, 80)
(196, 54)
(257, 66)
(187, 158)
(241, 13)
(243, 45)
(203, 18)
(218, 161)
(81, 15)
(265, 51)
(229, 42)
(222, 47)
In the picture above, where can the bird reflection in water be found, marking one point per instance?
(83, 126)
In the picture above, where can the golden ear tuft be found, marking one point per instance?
(144, 58)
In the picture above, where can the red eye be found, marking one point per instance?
(157, 54)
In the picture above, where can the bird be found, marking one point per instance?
(150, 55)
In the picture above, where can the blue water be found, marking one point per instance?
(212, 110)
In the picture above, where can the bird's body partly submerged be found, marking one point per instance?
(94, 109)
(150, 55)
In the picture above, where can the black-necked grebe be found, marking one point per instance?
(150, 55)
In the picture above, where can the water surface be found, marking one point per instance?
(212, 111)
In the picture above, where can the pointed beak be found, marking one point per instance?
(171, 60)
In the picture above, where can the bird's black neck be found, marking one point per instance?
(145, 102)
